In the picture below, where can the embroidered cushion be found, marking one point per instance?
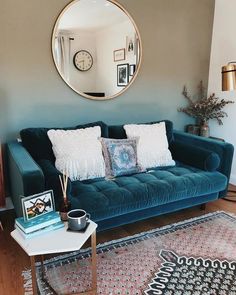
(120, 156)
(152, 148)
(78, 152)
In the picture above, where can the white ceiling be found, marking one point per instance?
(91, 15)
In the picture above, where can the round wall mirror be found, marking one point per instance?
(96, 48)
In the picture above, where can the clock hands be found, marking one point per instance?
(81, 61)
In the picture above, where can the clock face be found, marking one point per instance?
(83, 60)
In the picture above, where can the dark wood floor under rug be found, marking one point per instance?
(13, 259)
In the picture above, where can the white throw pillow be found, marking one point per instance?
(78, 152)
(152, 149)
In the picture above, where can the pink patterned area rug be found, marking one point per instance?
(194, 257)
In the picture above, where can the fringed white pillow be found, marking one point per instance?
(152, 148)
(78, 152)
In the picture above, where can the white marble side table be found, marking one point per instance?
(59, 241)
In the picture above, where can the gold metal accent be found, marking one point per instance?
(33, 275)
(138, 65)
(229, 77)
(94, 262)
(93, 290)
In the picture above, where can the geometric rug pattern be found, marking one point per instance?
(187, 275)
(194, 257)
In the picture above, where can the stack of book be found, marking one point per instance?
(37, 226)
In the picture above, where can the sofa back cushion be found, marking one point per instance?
(37, 143)
(118, 131)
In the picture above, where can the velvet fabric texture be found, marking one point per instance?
(224, 150)
(201, 174)
(26, 176)
(37, 143)
(134, 216)
(195, 156)
(109, 198)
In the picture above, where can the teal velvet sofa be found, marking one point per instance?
(201, 175)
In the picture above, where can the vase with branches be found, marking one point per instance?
(205, 108)
(65, 206)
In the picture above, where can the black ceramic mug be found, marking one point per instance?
(77, 219)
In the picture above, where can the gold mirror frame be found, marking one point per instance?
(139, 57)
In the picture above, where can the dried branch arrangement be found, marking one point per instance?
(205, 108)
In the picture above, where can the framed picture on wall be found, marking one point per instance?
(131, 44)
(122, 75)
(119, 54)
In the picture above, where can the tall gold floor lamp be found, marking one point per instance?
(229, 84)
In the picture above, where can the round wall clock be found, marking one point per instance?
(83, 60)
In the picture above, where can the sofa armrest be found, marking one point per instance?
(224, 151)
(52, 181)
(195, 156)
(26, 177)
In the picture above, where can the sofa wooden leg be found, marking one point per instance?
(203, 207)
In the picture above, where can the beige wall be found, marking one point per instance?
(176, 37)
(223, 51)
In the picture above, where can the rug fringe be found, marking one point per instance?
(27, 282)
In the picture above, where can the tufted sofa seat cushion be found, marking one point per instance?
(106, 198)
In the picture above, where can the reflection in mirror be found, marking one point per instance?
(96, 48)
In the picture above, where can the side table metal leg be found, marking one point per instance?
(42, 266)
(1, 227)
(33, 274)
(94, 263)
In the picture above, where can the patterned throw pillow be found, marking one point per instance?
(120, 156)
(152, 149)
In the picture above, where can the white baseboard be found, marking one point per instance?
(232, 179)
(8, 206)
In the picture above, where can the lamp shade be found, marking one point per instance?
(229, 77)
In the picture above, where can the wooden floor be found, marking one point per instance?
(13, 259)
